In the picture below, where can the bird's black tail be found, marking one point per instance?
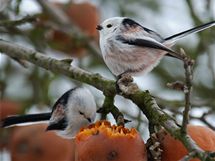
(180, 35)
(18, 119)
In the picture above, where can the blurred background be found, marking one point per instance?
(26, 88)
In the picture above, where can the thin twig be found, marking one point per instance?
(67, 26)
(175, 104)
(188, 65)
(211, 64)
(201, 118)
(109, 107)
(20, 62)
(188, 157)
(12, 23)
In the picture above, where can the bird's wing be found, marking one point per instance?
(58, 118)
(132, 28)
(62, 100)
(147, 43)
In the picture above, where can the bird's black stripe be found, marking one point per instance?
(127, 22)
(143, 43)
(63, 99)
(60, 125)
(131, 23)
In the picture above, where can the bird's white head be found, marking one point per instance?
(81, 104)
(75, 109)
(109, 26)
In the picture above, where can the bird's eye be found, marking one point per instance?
(109, 26)
(81, 113)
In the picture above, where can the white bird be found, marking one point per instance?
(74, 109)
(129, 48)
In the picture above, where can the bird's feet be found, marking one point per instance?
(125, 84)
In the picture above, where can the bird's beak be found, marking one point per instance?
(89, 120)
(99, 27)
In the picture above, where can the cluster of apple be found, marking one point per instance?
(99, 141)
(85, 16)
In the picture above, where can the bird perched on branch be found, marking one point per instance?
(129, 48)
(73, 110)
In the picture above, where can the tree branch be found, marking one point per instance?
(109, 107)
(67, 26)
(144, 100)
(188, 65)
(12, 23)
(57, 66)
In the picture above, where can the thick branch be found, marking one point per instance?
(57, 66)
(143, 99)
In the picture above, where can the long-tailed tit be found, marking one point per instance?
(73, 110)
(129, 48)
